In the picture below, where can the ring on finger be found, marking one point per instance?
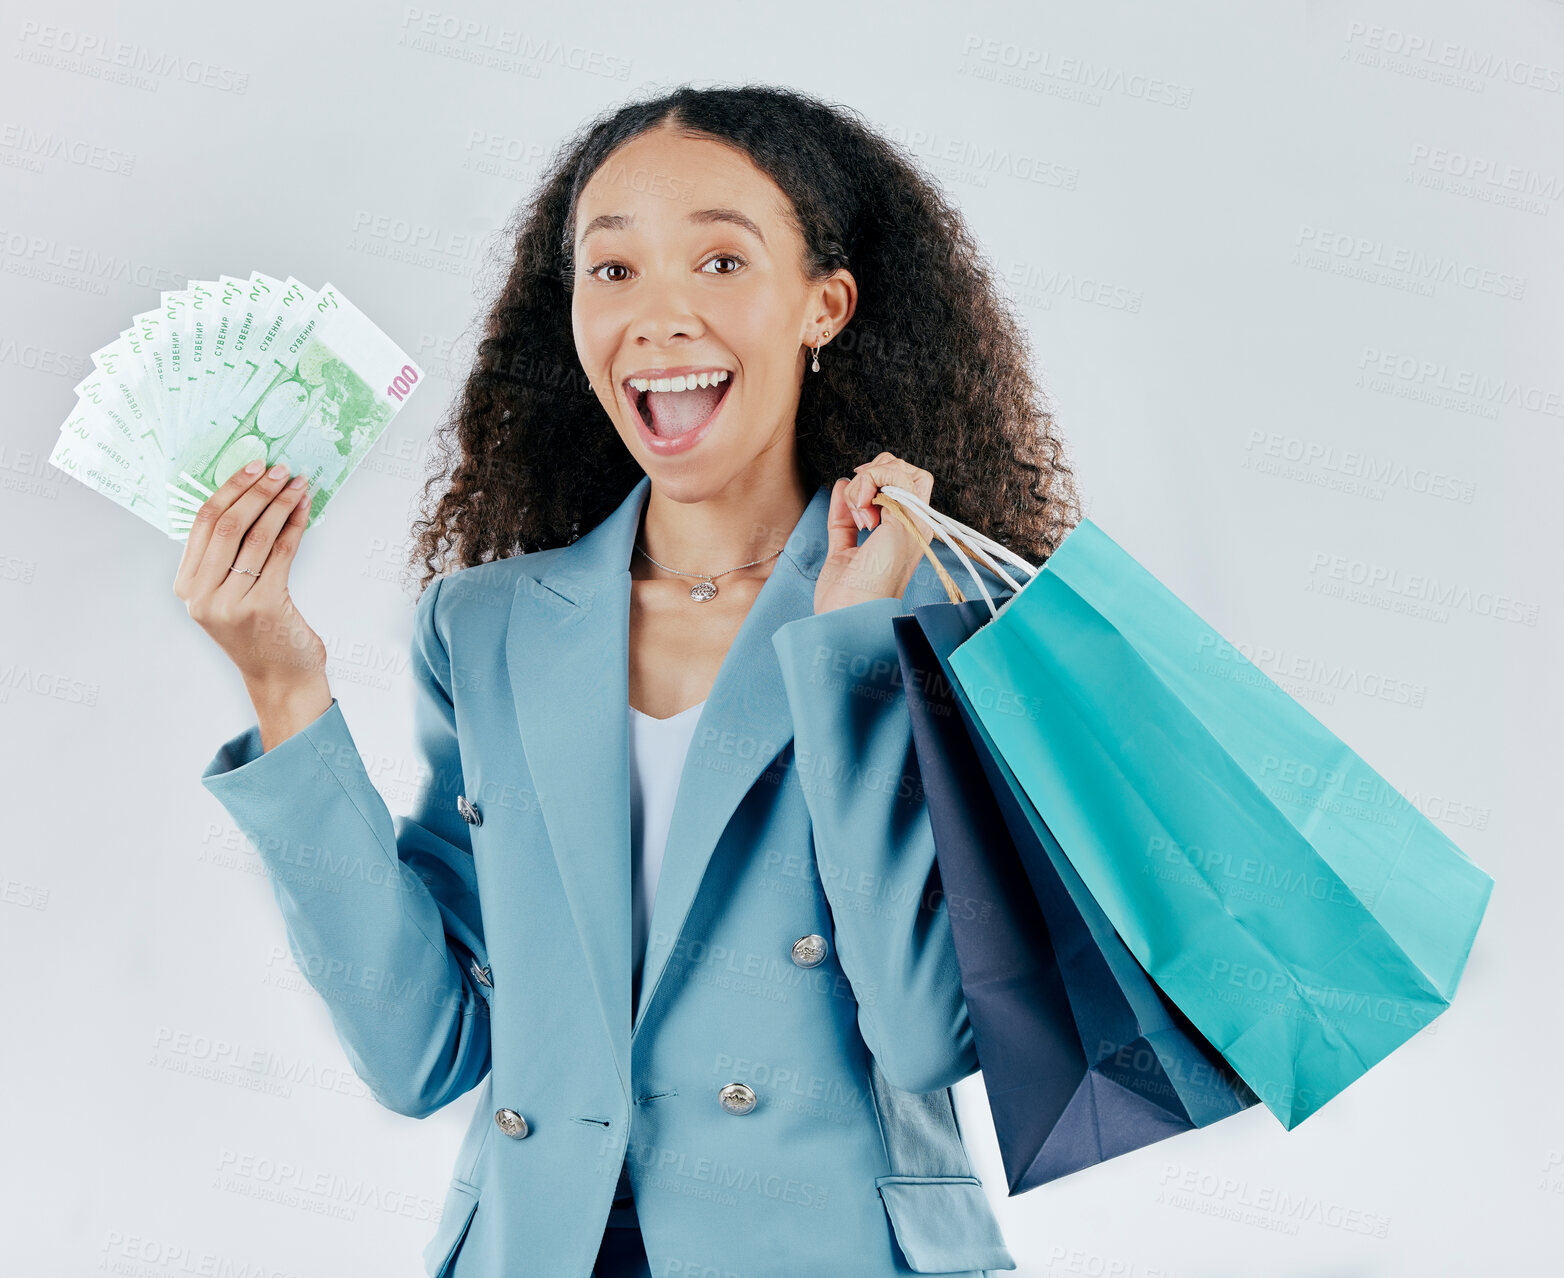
(248, 572)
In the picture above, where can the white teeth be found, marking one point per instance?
(687, 382)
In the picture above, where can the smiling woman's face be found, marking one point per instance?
(687, 264)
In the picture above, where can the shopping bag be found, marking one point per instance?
(1303, 914)
(1082, 1058)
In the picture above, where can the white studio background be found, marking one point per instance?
(1293, 273)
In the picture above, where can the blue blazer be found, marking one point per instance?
(483, 940)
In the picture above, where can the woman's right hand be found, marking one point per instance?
(255, 522)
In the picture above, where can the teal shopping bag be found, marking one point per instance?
(1302, 913)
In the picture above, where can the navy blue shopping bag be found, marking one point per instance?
(1083, 1058)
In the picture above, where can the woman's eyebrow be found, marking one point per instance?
(624, 221)
(728, 215)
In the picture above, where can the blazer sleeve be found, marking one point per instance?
(874, 846)
(381, 913)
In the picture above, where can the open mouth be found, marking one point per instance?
(669, 414)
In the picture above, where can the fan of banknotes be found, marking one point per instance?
(223, 372)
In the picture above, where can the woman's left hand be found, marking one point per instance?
(884, 564)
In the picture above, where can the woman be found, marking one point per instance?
(734, 1059)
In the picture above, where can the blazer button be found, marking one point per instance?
(736, 1098)
(810, 951)
(511, 1123)
(469, 813)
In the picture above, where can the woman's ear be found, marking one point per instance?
(838, 301)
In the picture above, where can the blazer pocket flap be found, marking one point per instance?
(461, 1200)
(944, 1224)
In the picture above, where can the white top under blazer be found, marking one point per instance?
(657, 751)
(658, 748)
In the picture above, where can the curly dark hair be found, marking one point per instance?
(932, 366)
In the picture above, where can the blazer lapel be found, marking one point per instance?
(567, 652)
(744, 725)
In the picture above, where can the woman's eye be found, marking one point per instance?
(739, 264)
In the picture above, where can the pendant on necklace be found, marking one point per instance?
(703, 591)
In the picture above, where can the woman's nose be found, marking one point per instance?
(664, 310)
(660, 329)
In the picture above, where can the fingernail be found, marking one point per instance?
(277, 471)
(254, 468)
(296, 481)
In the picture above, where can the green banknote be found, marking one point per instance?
(223, 372)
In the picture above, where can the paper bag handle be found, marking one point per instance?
(966, 542)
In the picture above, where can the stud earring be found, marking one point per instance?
(815, 367)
